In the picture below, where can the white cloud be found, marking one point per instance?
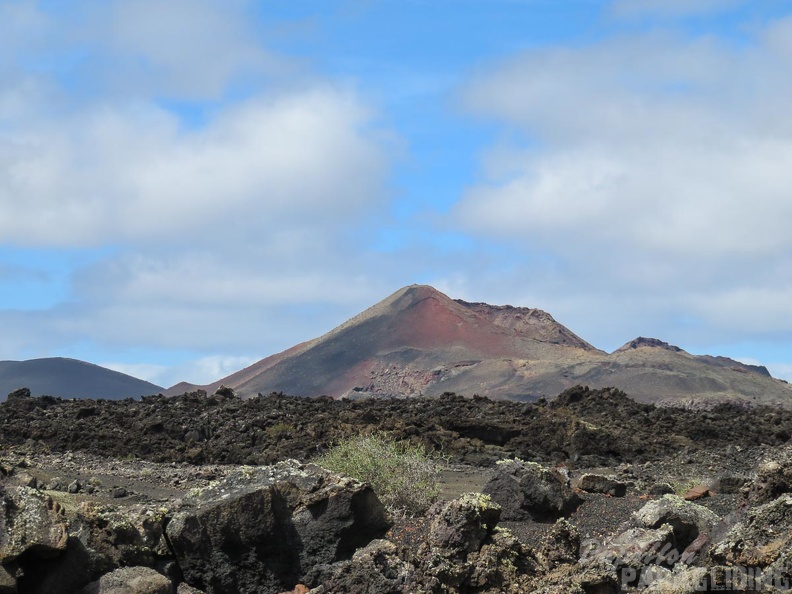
(181, 49)
(226, 231)
(662, 143)
(82, 164)
(188, 48)
(234, 232)
(130, 174)
(652, 172)
(203, 370)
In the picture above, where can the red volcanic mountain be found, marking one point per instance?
(419, 341)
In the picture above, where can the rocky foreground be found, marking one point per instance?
(592, 493)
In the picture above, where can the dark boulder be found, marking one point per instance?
(688, 520)
(455, 548)
(773, 478)
(266, 529)
(597, 483)
(731, 484)
(100, 539)
(528, 490)
(763, 539)
(18, 394)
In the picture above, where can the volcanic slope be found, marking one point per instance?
(420, 341)
(70, 378)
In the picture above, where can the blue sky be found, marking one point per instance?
(187, 187)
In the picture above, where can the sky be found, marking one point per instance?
(189, 186)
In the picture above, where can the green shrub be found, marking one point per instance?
(280, 430)
(403, 476)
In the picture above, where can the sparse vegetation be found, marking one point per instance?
(404, 476)
(280, 430)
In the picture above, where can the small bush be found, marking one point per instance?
(280, 430)
(403, 476)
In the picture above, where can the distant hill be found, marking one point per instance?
(70, 378)
(420, 341)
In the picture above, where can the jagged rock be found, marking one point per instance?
(460, 526)
(576, 580)
(503, 564)
(685, 580)
(529, 490)
(129, 537)
(225, 392)
(597, 483)
(687, 519)
(18, 394)
(561, 544)
(460, 550)
(25, 479)
(57, 484)
(374, 569)
(119, 492)
(633, 552)
(773, 478)
(30, 522)
(730, 484)
(130, 580)
(764, 539)
(265, 529)
(101, 539)
(465, 553)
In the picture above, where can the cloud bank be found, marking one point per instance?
(653, 167)
(217, 230)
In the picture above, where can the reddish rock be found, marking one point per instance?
(697, 492)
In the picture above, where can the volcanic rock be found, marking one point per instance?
(634, 551)
(130, 580)
(458, 550)
(687, 519)
(31, 524)
(764, 539)
(660, 489)
(597, 483)
(264, 529)
(529, 490)
(684, 580)
(773, 478)
(697, 492)
(561, 545)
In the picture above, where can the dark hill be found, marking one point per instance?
(70, 378)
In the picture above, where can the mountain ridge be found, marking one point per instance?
(418, 341)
